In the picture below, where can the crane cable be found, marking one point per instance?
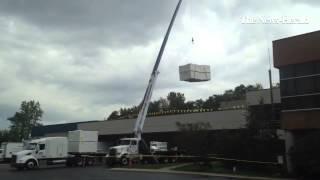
(191, 22)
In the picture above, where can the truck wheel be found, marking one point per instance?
(31, 164)
(109, 162)
(124, 161)
(79, 162)
(166, 160)
(90, 162)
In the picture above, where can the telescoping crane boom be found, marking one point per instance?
(138, 128)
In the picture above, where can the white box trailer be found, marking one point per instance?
(194, 73)
(9, 148)
(79, 150)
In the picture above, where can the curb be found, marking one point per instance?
(197, 173)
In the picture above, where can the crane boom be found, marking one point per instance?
(148, 94)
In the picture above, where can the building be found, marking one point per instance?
(159, 128)
(164, 127)
(259, 104)
(298, 60)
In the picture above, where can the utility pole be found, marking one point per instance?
(271, 88)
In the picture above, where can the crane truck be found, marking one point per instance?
(133, 147)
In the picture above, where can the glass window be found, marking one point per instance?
(290, 103)
(42, 146)
(317, 84)
(318, 68)
(304, 69)
(306, 102)
(31, 146)
(317, 101)
(283, 88)
(287, 71)
(291, 89)
(305, 85)
(124, 142)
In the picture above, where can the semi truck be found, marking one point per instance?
(78, 149)
(130, 148)
(9, 148)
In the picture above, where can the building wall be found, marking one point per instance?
(297, 49)
(254, 97)
(298, 60)
(231, 119)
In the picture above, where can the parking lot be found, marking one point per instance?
(88, 173)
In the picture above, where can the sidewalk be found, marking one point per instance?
(169, 170)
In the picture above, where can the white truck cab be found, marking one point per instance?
(55, 148)
(129, 147)
(126, 147)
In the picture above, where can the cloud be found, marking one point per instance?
(83, 59)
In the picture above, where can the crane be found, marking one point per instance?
(130, 146)
(138, 128)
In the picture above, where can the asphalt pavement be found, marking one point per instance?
(90, 173)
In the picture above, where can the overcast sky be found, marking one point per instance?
(82, 59)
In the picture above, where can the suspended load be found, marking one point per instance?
(194, 73)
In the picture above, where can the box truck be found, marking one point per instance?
(9, 148)
(78, 149)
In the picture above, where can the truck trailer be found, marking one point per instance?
(7, 149)
(78, 149)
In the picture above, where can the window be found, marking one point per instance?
(291, 89)
(305, 85)
(317, 84)
(304, 69)
(317, 101)
(133, 142)
(42, 146)
(306, 102)
(287, 71)
(289, 103)
(317, 68)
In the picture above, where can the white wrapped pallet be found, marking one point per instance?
(82, 141)
(80, 135)
(194, 73)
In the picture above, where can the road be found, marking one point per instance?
(89, 173)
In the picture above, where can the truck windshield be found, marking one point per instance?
(31, 146)
(124, 142)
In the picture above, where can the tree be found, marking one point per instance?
(154, 106)
(114, 115)
(176, 100)
(163, 104)
(4, 136)
(211, 102)
(239, 92)
(190, 105)
(199, 103)
(23, 121)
